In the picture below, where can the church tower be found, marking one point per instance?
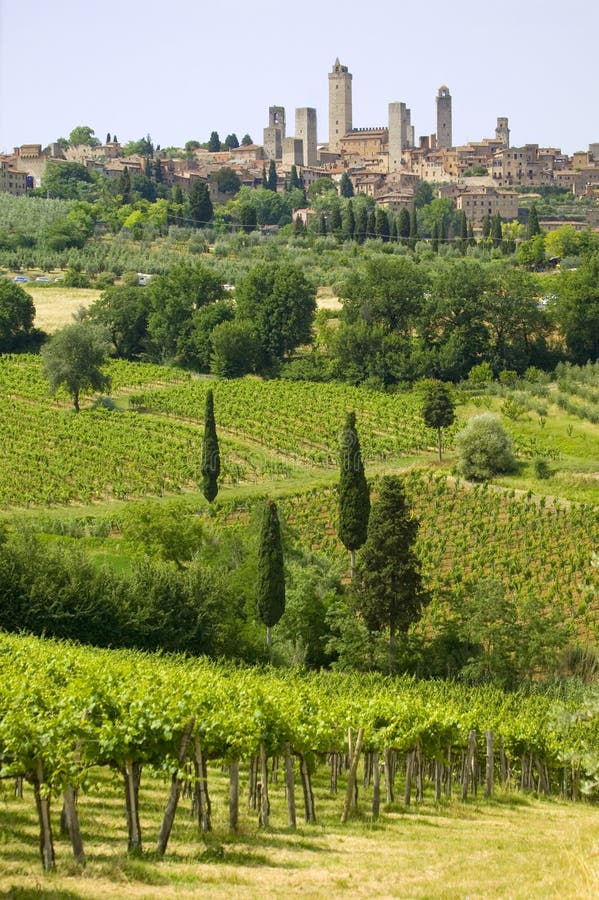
(444, 138)
(340, 105)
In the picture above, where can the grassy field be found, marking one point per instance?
(56, 305)
(509, 848)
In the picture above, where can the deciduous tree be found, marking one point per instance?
(72, 358)
(438, 409)
(17, 313)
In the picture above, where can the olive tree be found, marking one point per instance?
(484, 448)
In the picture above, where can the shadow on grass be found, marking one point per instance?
(18, 893)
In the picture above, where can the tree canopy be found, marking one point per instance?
(73, 357)
(17, 313)
(281, 302)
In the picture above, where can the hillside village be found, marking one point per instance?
(483, 178)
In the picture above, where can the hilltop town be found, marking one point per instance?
(482, 178)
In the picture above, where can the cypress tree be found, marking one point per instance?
(496, 230)
(354, 493)
(389, 590)
(403, 225)
(486, 226)
(349, 222)
(270, 587)
(435, 237)
(413, 229)
(214, 142)
(124, 186)
(199, 204)
(108, 138)
(335, 220)
(346, 187)
(158, 174)
(271, 182)
(533, 226)
(210, 452)
(371, 224)
(360, 224)
(294, 181)
(381, 224)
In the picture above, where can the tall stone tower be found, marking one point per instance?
(444, 138)
(340, 105)
(502, 132)
(305, 131)
(274, 135)
(400, 133)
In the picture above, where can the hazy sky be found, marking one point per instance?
(180, 69)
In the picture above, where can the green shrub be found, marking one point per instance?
(484, 448)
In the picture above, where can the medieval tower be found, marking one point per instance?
(502, 132)
(274, 135)
(340, 105)
(444, 138)
(400, 133)
(305, 131)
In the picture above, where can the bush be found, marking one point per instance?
(484, 448)
(542, 469)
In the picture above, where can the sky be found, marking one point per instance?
(181, 69)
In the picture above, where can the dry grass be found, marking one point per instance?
(505, 849)
(55, 305)
(326, 299)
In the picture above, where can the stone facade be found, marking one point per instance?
(274, 134)
(400, 134)
(444, 135)
(12, 181)
(305, 131)
(486, 201)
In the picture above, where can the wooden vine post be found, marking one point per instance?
(201, 798)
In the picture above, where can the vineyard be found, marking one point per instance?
(154, 446)
(66, 711)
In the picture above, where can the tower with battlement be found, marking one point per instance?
(340, 105)
(444, 138)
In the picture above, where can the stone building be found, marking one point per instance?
(12, 181)
(340, 105)
(486, 201)
(521, 166)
